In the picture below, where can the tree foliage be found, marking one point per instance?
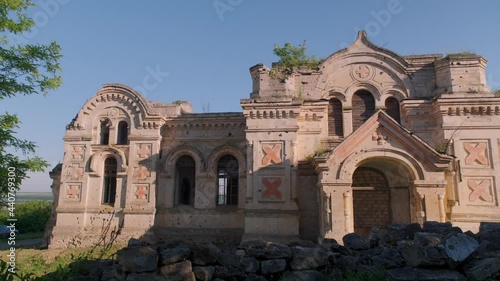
(291, 57)
(25, 69)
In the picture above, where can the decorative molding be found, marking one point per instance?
(77, 152)
(272, 114)
(75, 172)
(473, 110)
(197, 126)
(380, 138)
(141, 192)
(362, 72)
(271, 188)
(73, 192)
(141, 173)
(481, 191)
(272, 153)
(144, 150)
(476, 153)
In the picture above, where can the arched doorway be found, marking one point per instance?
(380, 195)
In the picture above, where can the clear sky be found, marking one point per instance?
(201, 50)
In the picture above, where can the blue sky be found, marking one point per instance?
(204, 48)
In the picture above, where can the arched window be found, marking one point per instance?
(109, 188)
(185, 175)
(227, 180)
(104, 131)
(335, 122)
(122, 137)
(392, 108)
(363, 107)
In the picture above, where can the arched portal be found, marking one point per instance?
(380, 195)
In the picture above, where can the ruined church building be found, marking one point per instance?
(370, 138)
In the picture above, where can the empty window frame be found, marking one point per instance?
(122, 136)
(227, 180)
(104, 131)
(109, 182)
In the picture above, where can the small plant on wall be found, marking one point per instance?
(291, 57)
(318, 152)
(442, 148)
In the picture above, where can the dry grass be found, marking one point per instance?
(40, 262)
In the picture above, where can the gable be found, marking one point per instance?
(381, 136)
(363, 65)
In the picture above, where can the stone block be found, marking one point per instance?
(482, 269)
(418, 274)
(308, 258)
(229, 272)
(354, 241)
(138, 259)
(420, 256)
(204, 253)
(309, 275)
(254, 277)
(426, 239)
(459, 247)
(272, 266)
(204, 273)
(181, 271)
(175, 254)
(250, 265)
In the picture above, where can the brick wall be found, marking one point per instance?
(368, 177)
(371, 208)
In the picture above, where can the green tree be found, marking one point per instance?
(25, 69)
(290, 57)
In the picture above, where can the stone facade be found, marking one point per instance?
(368, 138)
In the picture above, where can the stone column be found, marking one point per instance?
(432, 195)
(250, 156)
(338, 209)
(347, 116)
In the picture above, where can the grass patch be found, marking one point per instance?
(460, 54)
(57, 264)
